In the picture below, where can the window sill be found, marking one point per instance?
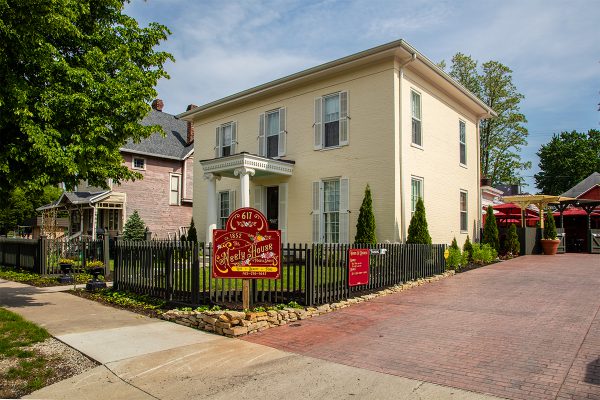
(331, 147)
(463, 165)
(416, 146)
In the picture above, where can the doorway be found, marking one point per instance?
(272, 207)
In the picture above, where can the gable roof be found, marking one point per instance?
(172, 146)
(583, 186)
(399, 48)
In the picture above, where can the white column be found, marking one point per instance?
(211, 205)
(244, 173)
(94, 214)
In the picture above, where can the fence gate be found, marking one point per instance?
(561, 246)
(594, 241)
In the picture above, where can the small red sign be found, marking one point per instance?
(246, 248)
(358, 267)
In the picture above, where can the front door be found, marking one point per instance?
(273, 207)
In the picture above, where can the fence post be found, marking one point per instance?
(18, 260)
(106, 255)
(168, 272)
(195, 275)
(42, 261)
(83, 254)
(309, 277)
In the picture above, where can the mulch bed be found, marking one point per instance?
(138, 310)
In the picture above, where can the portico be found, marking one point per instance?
(242, 166)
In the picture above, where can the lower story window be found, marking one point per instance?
(416, 192)
(464, 216)
(331, 210)
(224, 208)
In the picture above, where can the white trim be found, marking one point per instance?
(178, 175)
(145, 153)
(133, 158)
(263, 164)
(466, 192)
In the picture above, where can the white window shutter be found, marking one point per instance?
(343, 118)
(232, 201)
(218, 143)
(344, 210)
(318, 127)
(261, 136)
(316, 211)
(282, 133)
(259, 202)
(233, 137)
(282, 212)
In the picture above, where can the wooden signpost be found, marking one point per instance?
(246, 249)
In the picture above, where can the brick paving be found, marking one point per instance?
(528, 328)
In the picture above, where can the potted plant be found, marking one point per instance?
(95, 268)
(550, 241)
(66, 265)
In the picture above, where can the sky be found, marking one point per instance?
(223, 47)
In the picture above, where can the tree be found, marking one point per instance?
(502, 137)
(490, 230)
(135, 228)
(512, 245)
(566, 160)
(454, 244)
(418, 232)
(468, 249)
(365, 227)
(20, 205)
(192, 236)
(76, 77)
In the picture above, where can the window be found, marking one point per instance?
(463, 211)
(139, 163)
(224, 208)
(272, 134)
(331, 210)
(417, 137)
(416, 192)
(175, 189)
(226, 140)
(331, 121)
(330, 215)
(463, 142)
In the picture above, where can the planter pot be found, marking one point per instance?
(550, 246)
(66, 268)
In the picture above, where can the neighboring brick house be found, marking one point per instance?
(302, 149)
(163, 198)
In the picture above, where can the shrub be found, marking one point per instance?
(134, 229)
(192, 236)
(418, 233)
(365, 227)
(483, 254)
(490, 230)
(550, 228)
(512, 245)
(454, 260)
(454, 245)
(468, 249)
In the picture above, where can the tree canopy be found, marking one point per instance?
(20, 205)
(135, 228)
(566, 160)
(501, 138)
(76, 77)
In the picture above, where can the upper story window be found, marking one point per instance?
(331, 121)
(175, 189)
(226, 139)
(138, 163)
(272, 133)
(415, 101)
(416, 192)
(462, 138)
(464, 216)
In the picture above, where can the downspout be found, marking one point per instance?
(401, 139)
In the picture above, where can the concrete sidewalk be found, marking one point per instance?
(144, 358)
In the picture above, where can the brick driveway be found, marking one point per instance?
(528, 328)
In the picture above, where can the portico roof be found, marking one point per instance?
(262, 166)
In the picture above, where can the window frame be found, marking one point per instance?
(275, 134)
(413, 200)
(339, 106)
(178, 190)
(133, 160)
(222, 220)
(222, 139)
(465, 211)
(416, 119)
(331, 218)
(462, 143)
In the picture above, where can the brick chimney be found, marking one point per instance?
(190, 126)
(158, 105)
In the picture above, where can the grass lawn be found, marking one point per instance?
(21, 370)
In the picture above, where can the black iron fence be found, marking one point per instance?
(20, 253)
(180, 272)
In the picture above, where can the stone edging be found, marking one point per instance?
(239, 323)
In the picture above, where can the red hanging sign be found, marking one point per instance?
(358, 267)
(246, 248)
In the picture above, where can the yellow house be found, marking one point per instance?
(303, 148)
